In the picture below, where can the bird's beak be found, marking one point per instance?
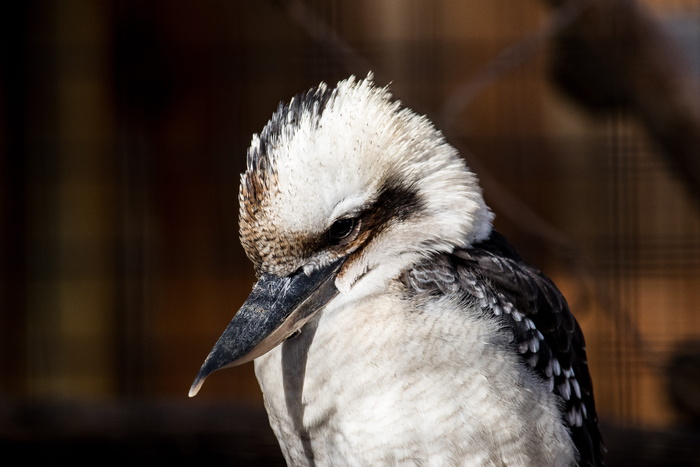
(274, 310)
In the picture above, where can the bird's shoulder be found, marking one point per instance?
(533, 314)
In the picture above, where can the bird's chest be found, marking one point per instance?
(393, 383)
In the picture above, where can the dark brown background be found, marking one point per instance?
(123, 130)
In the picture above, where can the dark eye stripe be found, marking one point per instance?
(395, 202)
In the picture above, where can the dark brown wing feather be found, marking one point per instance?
(535, 316)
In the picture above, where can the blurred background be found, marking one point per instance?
(123, 131)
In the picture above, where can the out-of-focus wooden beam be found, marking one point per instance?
(617, 55)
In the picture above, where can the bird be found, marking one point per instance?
(390, 323)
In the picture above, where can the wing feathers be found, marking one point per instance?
(535, 316)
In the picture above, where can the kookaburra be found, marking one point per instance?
(390, 324)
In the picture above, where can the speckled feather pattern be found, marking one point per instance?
(535, 319)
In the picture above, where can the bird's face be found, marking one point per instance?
(344, 189)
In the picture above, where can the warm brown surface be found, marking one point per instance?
(124, 125)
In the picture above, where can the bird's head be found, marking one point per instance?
(344, 189)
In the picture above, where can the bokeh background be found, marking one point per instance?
(123, 131)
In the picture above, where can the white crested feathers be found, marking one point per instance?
(331, 161)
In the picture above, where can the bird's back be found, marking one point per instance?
(536, 319)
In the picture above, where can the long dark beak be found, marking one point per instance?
(274, 310)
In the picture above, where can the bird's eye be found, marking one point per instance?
(341, 229)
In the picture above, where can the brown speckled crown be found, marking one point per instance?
(269, 249)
